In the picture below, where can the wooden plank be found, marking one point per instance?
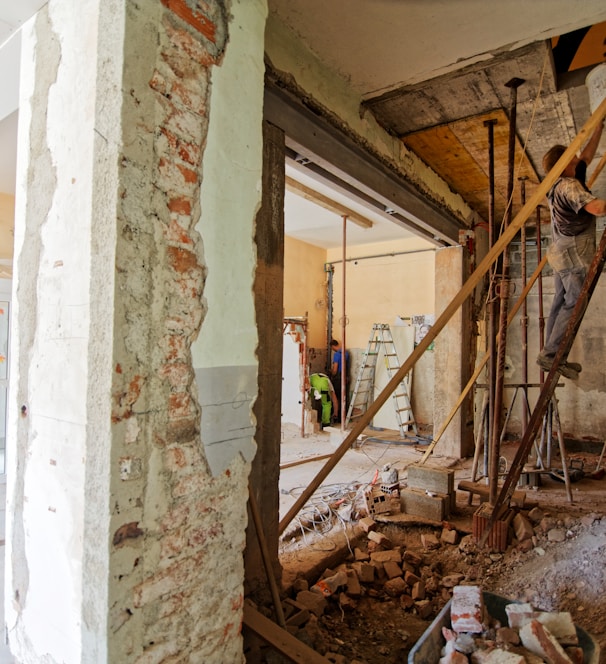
(284, 642)
(519, 497)
(316, 197)
(466, 290)
(318, 457)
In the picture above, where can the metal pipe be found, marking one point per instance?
(524, 316)
(329, 269)
(540, 288)
(492, 300)
(387, 255)
(513, 84)
(342, 408)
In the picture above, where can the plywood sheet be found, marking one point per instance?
(458, 152)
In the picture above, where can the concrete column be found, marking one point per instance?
(123, 544)
(453, 356)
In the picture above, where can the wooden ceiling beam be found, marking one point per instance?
(316, 197)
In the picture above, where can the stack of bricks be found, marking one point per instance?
(430, 493)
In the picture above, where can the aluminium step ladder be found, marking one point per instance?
(381, 339)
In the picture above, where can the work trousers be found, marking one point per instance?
(570, 258)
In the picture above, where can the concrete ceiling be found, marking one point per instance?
(430, 71)
(433, 72)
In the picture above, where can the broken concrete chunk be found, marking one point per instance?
(449, 536)
(406, 602)
(354, 589)
(365, 572)
(429, 541)
(383, 556)
(519, 615)
(411, 578)
(508, 636)
(368, 524)
(522, 527)
(360, 555)
(556, 535)
(418, 591)
(452, 580)
(497, 656)
(300, 584)
(536, 515)
(467, 609)
(313, 601)
(413, 559)
(395, 587)
(465, 643)
(560, 624)
(539, 640)
(424, 608)
(392, 569)
(380, 539)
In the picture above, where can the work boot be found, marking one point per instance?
(566, 369)
(575, 366)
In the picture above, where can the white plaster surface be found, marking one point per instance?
(228, 337)
(49, 458)
(291, 382)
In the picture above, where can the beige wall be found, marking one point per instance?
(379, 289)
(305, 287)
(7, 217)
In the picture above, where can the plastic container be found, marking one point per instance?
(428, 648)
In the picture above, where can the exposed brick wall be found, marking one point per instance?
(178, 533)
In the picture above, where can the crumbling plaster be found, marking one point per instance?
(114, 495)
(292, 61)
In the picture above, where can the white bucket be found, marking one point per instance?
(596, 85)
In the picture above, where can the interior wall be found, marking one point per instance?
(305, 288)
(7, 216)
(581, 403)
(380, 290)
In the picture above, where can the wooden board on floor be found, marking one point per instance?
(284, 642)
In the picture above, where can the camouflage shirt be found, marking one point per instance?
(566, 199)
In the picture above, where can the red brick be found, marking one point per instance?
(180, 205)
(178, 374)
(182, 260)
(192, 16)
(180, 405)
(467, 609)
(176, 234)
(395, 587)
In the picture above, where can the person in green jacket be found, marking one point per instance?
(323, 398)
